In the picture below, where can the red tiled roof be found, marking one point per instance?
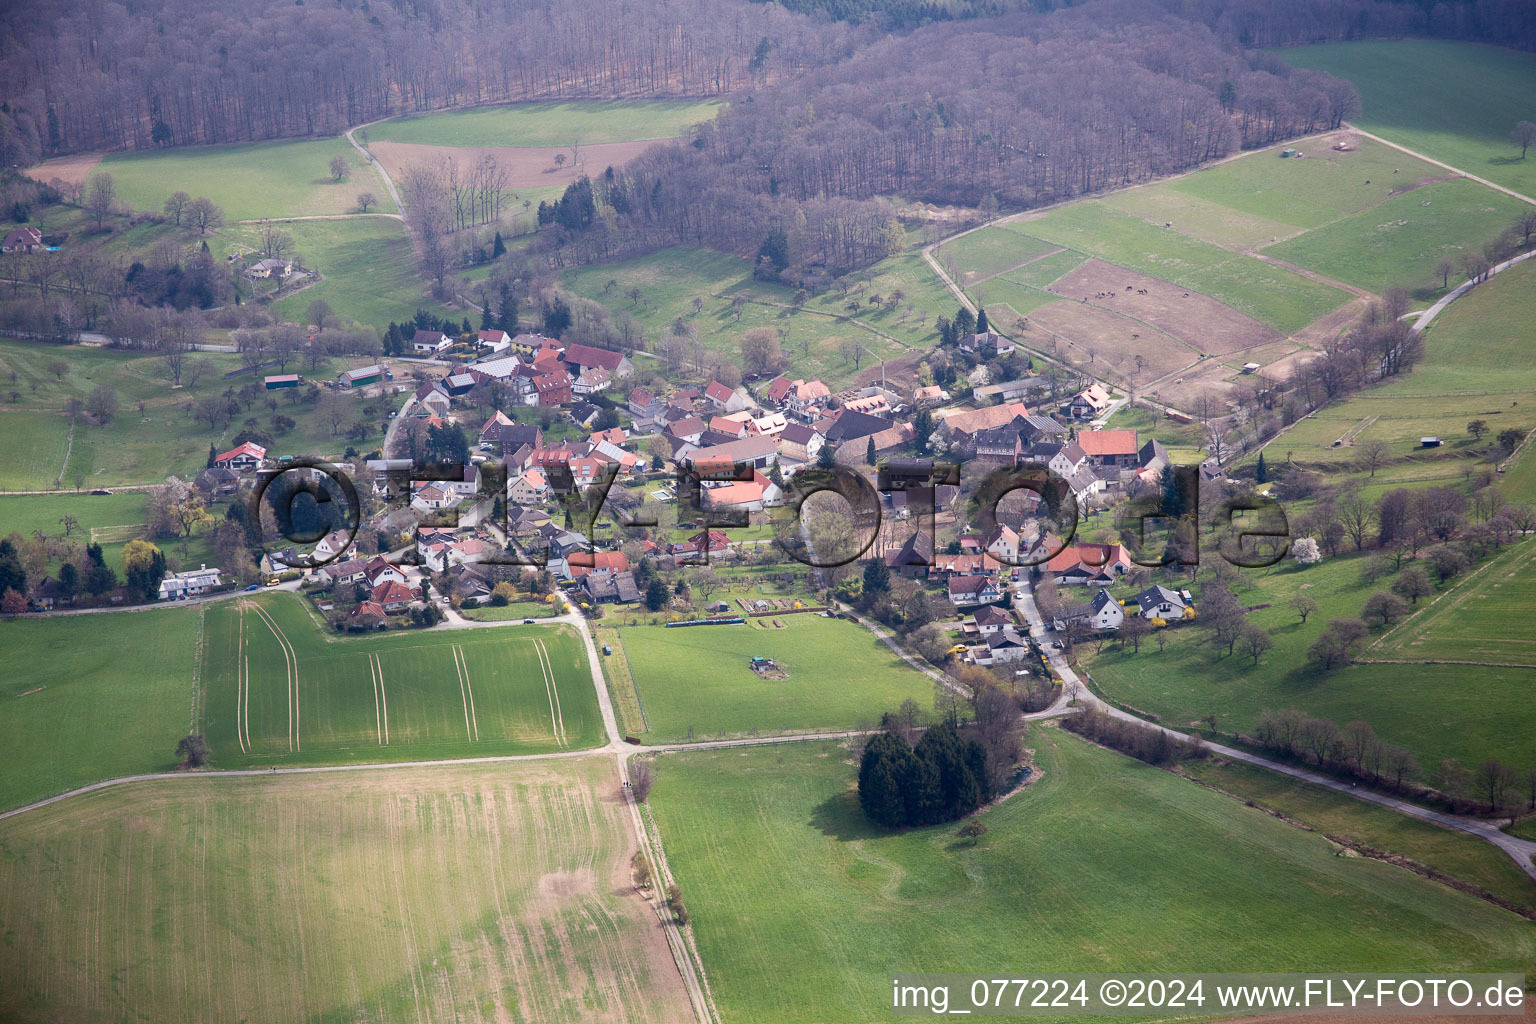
(1108, 442)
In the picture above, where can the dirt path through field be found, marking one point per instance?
(378, 717)
(291, 659)
(556, 719)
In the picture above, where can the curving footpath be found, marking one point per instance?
(1520, 850)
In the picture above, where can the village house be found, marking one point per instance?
(1002, 543)
(392, 596)
(591, 380)
(1087, 404)
(757, 452)
(1001, 445)
(23, 239)
(333, 545)
(1096, 565)
(929, 397)
(531, 488)
(803, 399)
(344, 572)
(992, 619)
(1110, 449)
(800, 442)
(216, 482)
(743, 496)
(490, 433)
(495, 342)
(1158, 602)
(986, 344)
(430, 342)
(1004, 646)
(1101, 613)
(619, 587)
(268, 267)
(960, 427)
(378, 572)
(596, 563)
(617, 364)
(967, 591)
(724, 399)
(914, 558)
(244, 458)
(368, 615)
(701, 547)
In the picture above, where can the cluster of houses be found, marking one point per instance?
(535, 370)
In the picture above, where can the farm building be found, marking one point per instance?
(361, 376)
(1430, 442)
(278, 381)
(178, 586)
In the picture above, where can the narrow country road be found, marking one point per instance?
(374, 163)
(1520, 850)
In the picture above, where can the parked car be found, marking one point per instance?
(527, 622)
(253, 586)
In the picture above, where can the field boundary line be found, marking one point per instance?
(290, 659)
(242, 666)
(1431, 160)
(458, 670)
(197, 664)
(470, 687)
(383, 694)
(1430, 613)
(684, 952)
(556, 717)
(1016, 266)
(378, 722)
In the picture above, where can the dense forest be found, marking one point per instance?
(84, 74)
(1013, 112)
(112, 74)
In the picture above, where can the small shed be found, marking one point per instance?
(279, 381)
(1430, 442)
(1287, 152)
(1250, 367)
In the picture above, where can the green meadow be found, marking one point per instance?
(1475, 366)
(659, 289)
(1479, 93)
(1276, 296)
(1469, 712)
(92, 697)
(262, 179)
(695, 682)
(1457, 854)
(1102, 864)
(279, 691)
(1473, 622)
(135, 447)
(1262, 197)
(368, 270)
(548, 124)
(1398, 243)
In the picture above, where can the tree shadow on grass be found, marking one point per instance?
(841, 818)
(1505, 161)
